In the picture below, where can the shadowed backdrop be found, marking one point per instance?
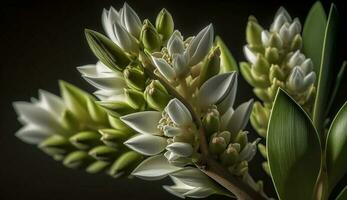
(42, 42)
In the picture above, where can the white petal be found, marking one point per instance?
(215, 89)
(101, 68)
(147, 144)
(249, 151)
(229, 100)
(295, 27)
(199, 192)
(33, 114)
(131, 20)
(170, 131)
(240, 117)
(265, 36)
(33, 134)
(164, 68)
(110, 95)
(295, 80)
(181, 149)
(178, 113)
(89, 70)
(250, 56)
(296, 59)
(109, 17)
(193, 177)
(106, 83)
(307, 66)
(175, 44)
(201, 45)
(125, 39)
(51, 103)
(309, 79)
(143, 122)
(154, 168)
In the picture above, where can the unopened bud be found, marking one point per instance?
(253, 33)
(164, 24)
(113, 137)
(125, 162)
(97, 166)
(217, 145)
(76, 159)
(85, 139)
(211, 65)
(104, 153)
(242, 139)
(156, 95)
(261, 65)
(55, 144)
(150, 37)
(211, 121)
(135, 99)
(134, 78)
(296, 43)
(230, 156)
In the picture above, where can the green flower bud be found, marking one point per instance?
(104, 153)
(164, 24)
(76, 159)
(275, 41)
(261, 113)
(272, 55)
(253, 33)
(150, 37)
(135, 78)
(241, 168)
(261, 65)
(69, 121)
(156, 95)
(296, 43)
(266, 168)
(113, 137)
(276, 72)
(106, 51)
(242, 139)
(227, 60)
(211, 65)
(260, 128)
(262, 94)
(97, 166)
(55, 144)
(245, 69)
(85, 139)
(115, 108)
(125, 162)
(96, 112)
(135, 99)
(211, 122)
(272, 91)
(116, 123)
(262, 150)
(226, 135)
(230, 156)
(217, 144)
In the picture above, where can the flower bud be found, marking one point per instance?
(211, 122)
(217, 144)
(276, 72)
(55, 144)
(134, 78)
(85, 139)
(150, 37)
(266, 168)
(211, 66)
(272, 55)
(226, 135)
(76, 159)
(242, 139)
(262, 150)
(262, 94)
(97, 166)
(230, 156)
(156, 95)
(253, 33)
(116, 108)
(116, 123)
(127, 161)
(113, 137)
(275, 41)
(96, 112)
(261, 113)
(241, 168)
(164, 24)
(69, 121)
(135, 99)
(106, 51)
(261, 65)
(104, 153)
(296, 43)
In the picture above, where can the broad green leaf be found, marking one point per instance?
(324, 79)
(293, 149)
(313, 34)
(336, 147)
(106, 50)
(342, 195)
(336, 86)
(227, 60)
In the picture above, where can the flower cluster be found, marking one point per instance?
(275, 60)
(76, 131)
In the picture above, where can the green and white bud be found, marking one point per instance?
(135, 99)
(150, 37)
(230, 156)
(211, 121)
(156, 95)
(134, 78)
(164, 24)
(211, 65)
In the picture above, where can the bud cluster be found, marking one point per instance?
(275, 60)
(77, 132)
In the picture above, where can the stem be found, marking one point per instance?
(207, 164)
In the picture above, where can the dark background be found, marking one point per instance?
(42, 42)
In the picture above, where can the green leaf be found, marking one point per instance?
(106, 50)
(336, 147)
(313, 34)
(342, 195)
(293, 149)
(324, 80)
(339, 77)
(228, 62)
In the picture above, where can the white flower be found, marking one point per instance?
(302, 75)
(191, 182)
(40, 118)
(123, 27)
(176, 62)
(110, 84)
(172, 130)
